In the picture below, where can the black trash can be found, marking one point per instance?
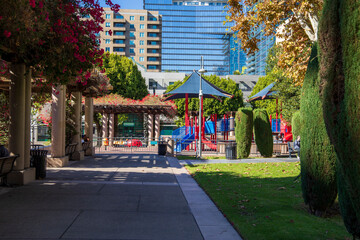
(230, 150)
(162, 148)
(38, 160)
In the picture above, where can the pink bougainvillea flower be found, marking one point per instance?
(32, 3)
(110, 32)
(7, 33)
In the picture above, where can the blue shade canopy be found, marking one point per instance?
(266, 93)
(192, 86)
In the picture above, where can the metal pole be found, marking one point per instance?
(201, 71)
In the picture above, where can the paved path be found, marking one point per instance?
(113, 197)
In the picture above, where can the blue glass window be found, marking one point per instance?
(132, 18)
(152, 19)
(107, 33)
(132, 42)
(107, 24)
(132, 50)
(153, 35)
(141, 42)
(118, 16)
(142, 18)
(152, 59)
(152, 67)
(118, 49)
(142, 34)
(119, 25)
(107, 49)
(132, 34)
(142, 26)
(119, 41)
(141, 59)
(132, 26)
(107, 41)
(141, 50)
(118, 33)
(108, 16)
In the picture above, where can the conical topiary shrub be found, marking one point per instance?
(263, 133)
(339, 41)
(243, 131)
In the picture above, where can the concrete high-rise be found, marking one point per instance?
(135, 34)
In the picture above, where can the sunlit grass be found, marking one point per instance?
(264, 201)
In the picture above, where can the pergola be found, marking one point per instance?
(20, 113)
(111, 105)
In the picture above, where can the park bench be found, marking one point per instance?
(70, 149)
(86, 146)
(6, 166)
(292, 149)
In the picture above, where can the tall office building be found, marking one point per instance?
(135, 34)
(237, 56)
(191, 29)
(256, 63)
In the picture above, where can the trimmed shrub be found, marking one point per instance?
(339, 41)
(243, 131)
(263, 133)
(317, 155)
(296, 124)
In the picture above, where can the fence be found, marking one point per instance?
(126, 145)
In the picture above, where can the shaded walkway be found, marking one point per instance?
(110, 196)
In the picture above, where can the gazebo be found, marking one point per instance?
(111, 105)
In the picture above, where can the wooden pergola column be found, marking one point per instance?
(157, 126)
(150, 124)
(89, 122)
(111, 129)
(79, 153)
(20, 101)
(58, 158)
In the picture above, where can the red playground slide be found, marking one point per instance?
(208, 143)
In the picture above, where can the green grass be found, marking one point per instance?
(263, 201)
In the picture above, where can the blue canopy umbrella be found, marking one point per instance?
(265, 93)
(191, 88)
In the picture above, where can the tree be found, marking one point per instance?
(317, 155)
(263, 133)
(288, 93)
(211, 106)
(296, 23)
(243, 132)
(339, 79)
(125, 77)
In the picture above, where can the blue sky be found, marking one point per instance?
(126, 4)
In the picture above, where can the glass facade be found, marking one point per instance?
(191, 29)
(256, 63)
(237, 56)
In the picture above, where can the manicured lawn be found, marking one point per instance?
(263, 201)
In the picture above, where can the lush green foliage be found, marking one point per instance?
(125, 77)
(268, 104)
(288, 92)
(339, 57)
(263, 133)
(263, 201)
(211, 106)
(317, 154)
(243, 132)
(296, 124)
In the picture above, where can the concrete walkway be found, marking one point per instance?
(113, 196)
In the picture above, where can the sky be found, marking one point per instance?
(126, 4)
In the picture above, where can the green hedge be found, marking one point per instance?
(339, 40)
(296, 124)
(263, 133)
(243, 131)
(317, 155)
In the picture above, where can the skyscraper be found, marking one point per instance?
(191, 29)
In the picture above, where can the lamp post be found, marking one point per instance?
(201, 71)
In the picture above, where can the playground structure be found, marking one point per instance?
(213, 131)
